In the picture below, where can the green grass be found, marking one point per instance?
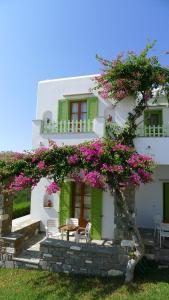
(40, 285)
(21, 204)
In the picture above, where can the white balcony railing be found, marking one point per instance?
(81, 126)
(113, 129)
(153, 131)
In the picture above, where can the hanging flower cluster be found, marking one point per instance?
(99, 163)
(131, 75)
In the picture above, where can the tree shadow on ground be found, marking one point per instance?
(69, 286)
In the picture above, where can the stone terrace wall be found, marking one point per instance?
(89, 259)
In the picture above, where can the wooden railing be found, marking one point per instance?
(68, 126)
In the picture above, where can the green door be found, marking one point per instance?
(96, 213)
(65, 202)
(166, 202)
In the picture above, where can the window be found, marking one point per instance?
(78, 110)
(153, 118)
(81, 203)
(153, 123)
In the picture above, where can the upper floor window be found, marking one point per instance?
(153, 118)
(78, 110)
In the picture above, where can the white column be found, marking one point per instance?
(36, 133)
(99, 126)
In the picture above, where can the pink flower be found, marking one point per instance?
(115, 168)
(20, 182)
(121, 147)
(121, 94)
(73, 159)
(95, 179)
(135, 179)
(104, 94)
(41, 165)
(52, 188)
(41, 150)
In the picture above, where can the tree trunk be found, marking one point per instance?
(126, 228)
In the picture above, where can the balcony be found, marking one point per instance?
(82, 126)
(150, 140)
(153, 131)
(142, 131)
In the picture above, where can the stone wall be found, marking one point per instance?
(89, 259)
(15, 241)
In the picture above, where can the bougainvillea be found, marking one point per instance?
(98, 163)
(140, 76)
(131, 75)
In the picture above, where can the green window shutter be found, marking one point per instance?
(65, 202)
(92, 108)
(96, 213)
(158, 119)
(63, 110)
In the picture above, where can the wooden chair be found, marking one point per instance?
(52, 230)
(164, 231)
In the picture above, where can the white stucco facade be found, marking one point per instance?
(149, 199)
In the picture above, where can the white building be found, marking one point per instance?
(69, 113)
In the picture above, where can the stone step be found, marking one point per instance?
(23, 259)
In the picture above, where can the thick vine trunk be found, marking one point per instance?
(129, 132)
(126, 229)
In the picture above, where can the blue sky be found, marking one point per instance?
(46, 39)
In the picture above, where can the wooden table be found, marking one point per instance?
(68, 228)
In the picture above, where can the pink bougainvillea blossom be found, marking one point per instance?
(52, 188)
(135, 179)
(115, 168)
(41, 150)
(137, 160)
(41, 165)
(121, 147)
(20, 182)
(95, 179)
(73, 159)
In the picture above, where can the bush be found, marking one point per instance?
(21, 204)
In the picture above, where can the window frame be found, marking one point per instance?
(79, 113)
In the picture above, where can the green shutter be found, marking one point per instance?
(92, 108)
(65, 202)
(63, 110)
(96, 213)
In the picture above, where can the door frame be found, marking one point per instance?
(164, 204)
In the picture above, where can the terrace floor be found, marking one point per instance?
(31, 251)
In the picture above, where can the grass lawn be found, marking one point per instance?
(21, 204)
(40, 285)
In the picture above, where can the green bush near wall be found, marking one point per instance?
(21, 204)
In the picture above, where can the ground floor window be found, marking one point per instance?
(81, 203)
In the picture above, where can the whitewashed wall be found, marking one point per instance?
(38, 211)
(149, 198)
